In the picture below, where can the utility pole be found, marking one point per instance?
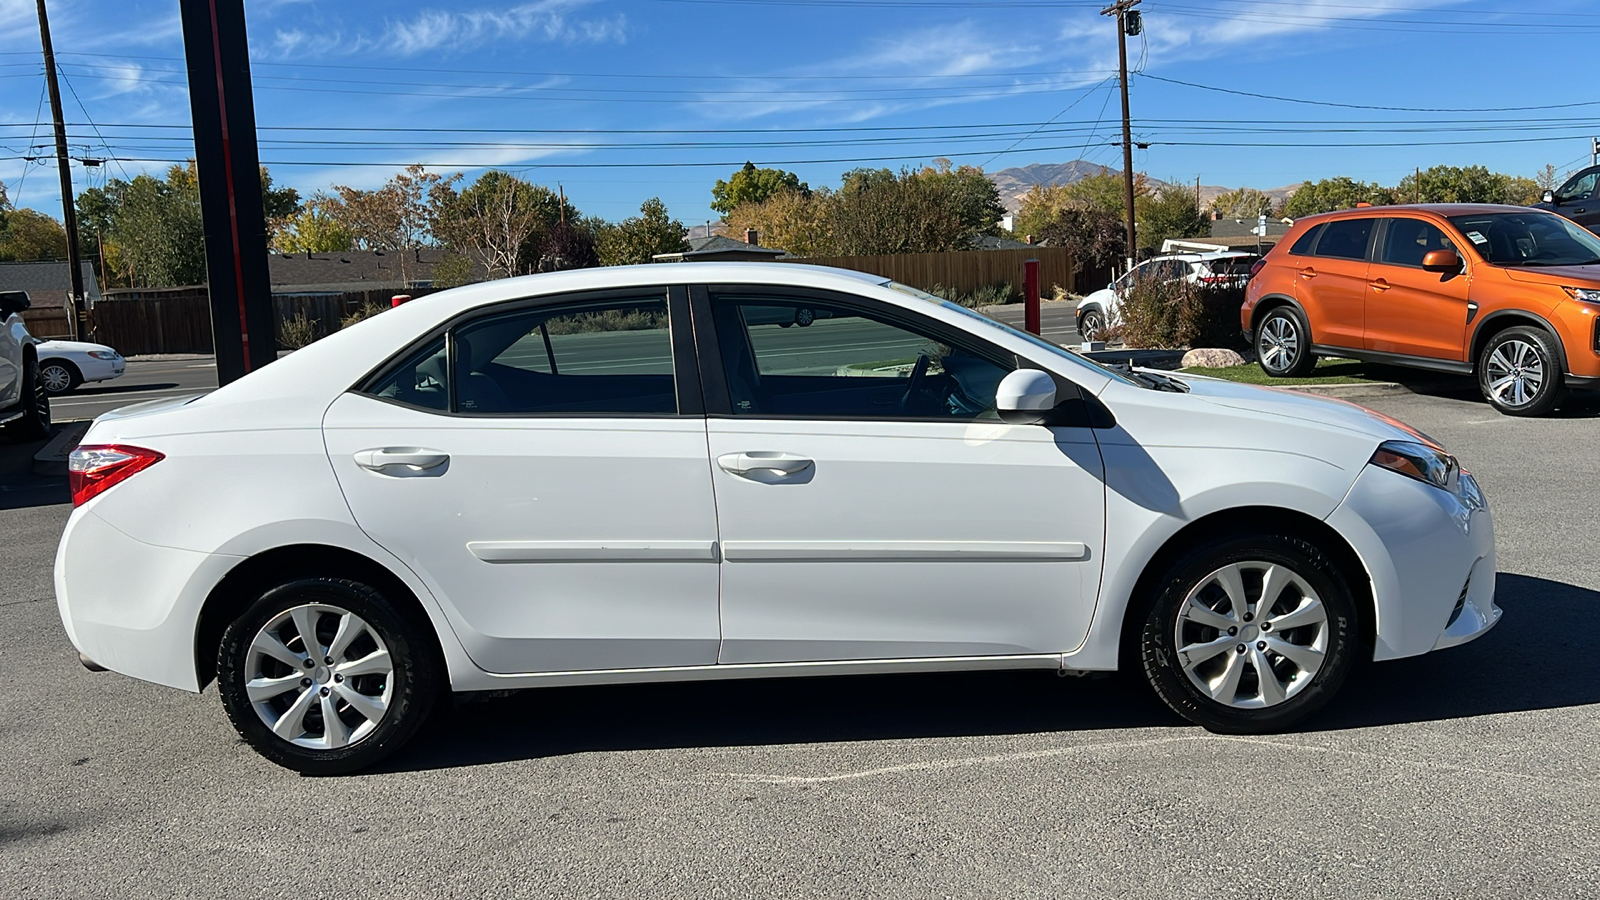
(69, 212)
(1127, 19)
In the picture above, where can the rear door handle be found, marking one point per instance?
(1380, 285)
(1308, 272)
(770, 460)
(406, 460)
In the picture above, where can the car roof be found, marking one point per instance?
(1203, 256)
(1439, 209)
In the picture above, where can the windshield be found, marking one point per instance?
(1529, 239)
(1030, 338)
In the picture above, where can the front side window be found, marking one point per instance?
(1529, 239)
(1581, 188)
(1409, 240)
(1346, 239)
(795, 357)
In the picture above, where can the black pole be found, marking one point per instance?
(1127, 133)
(69, 211)
(229, 167)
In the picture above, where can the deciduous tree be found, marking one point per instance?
(399, 217)
(638, 239)
(754, 185)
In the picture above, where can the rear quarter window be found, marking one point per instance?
(1302, 247)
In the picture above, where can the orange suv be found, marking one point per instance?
(1506, 293)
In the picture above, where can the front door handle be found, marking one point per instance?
(1308, 272)
(406, 459)
(1380, 285)
(770, 460)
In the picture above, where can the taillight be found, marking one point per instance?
(1257, 266)
(96, 467)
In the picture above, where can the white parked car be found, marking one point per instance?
(638, 474)
(63, 365)
(1221, 268)
(24, 403)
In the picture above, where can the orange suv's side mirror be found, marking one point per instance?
(1441, 261)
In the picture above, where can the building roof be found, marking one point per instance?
(718, 247)
(46, 282)
(990, 242)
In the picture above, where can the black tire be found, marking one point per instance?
(59, 376)
(411, 685)
(1092, 325)
(1306, 691)
(1516, 355)
(1284, 329)
(34, 425)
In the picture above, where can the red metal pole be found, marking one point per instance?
(1030, 295)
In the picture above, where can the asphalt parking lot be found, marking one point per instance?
(1467, 773)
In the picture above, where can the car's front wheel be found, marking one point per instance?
(1519, 372)
(324, 676)
(1283, 344)
(59, 376)
(1092, 325)
(1249, 634)
(34, 423)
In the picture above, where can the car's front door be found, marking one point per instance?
(544, 470)
(11, 330)
(1410, 310)
(871, 504)
(1332, 284)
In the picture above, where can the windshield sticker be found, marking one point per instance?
(1477, 238)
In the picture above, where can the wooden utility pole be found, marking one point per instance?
(1121, 9)
(69, 211)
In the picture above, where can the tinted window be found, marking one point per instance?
(1302, 247)
(1529, 239)
(799, 358)
(1408, 240)
(612, 357)
(419, 381)
(1581, 188)
(1346, 239)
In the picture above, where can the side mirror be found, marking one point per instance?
(1441, 261)
(1025, 397)
(14, 302)
(1548, 197)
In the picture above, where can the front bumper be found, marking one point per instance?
(1430, 555)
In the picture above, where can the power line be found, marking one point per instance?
(1432, 109)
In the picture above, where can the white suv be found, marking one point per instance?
(1222, 268)
(24, 404)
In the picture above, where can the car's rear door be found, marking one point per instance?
(544, 470)
(1410, 310)
(870, 503)
(1331, 284)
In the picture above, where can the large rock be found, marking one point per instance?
(1211, 358)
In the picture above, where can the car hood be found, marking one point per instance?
(72, 347)
(1303, 406)
(1576, 276)
(1104, 297)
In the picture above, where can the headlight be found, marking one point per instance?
(1421, 462)
(1589, 295)
(104, 354)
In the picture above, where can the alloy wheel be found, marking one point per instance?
(55, 378)
(1252, 634)
(319, 676)
(1279, 346)
(1515, 373)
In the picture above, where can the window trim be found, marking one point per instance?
(685, 374)
(1381, 248)
(1372, 234)
(719, 402)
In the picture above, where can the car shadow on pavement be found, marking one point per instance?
(560, 721)
(99, 389)
(1539, 657)
(20, 486)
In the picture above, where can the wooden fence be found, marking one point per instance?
(964, 270)
(178, 320)
(48, 322)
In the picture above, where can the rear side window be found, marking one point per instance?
(1346, 239)
(1302, 247)
(420, 381)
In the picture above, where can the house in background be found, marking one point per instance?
(717, 248)
(351, 271)
(47, 284)
(1231, 234)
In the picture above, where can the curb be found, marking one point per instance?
(1376, 389)
(52, 458)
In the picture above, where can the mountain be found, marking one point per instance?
(1014, 183)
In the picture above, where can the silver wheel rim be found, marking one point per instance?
(319, 677)
(1091, 326)
(1252, 635)
(1280, 343)
(55, 378)
(1515, 373)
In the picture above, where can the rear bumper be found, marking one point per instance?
(1430, 555)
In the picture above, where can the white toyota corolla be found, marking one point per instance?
(728, 470)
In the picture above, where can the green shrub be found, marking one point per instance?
(366, 310)
(1178, 314)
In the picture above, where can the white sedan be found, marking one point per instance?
(63, 365)
(638, 474)
(1217, 268)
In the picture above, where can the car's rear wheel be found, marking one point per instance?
(34, 424)
(1092, 325)
(59, 376)
(1283, 344)
(324, 676)
(1519, 372)
(1249, 634)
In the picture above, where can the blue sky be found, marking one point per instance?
(534, 87)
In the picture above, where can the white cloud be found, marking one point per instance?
(438, 30)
